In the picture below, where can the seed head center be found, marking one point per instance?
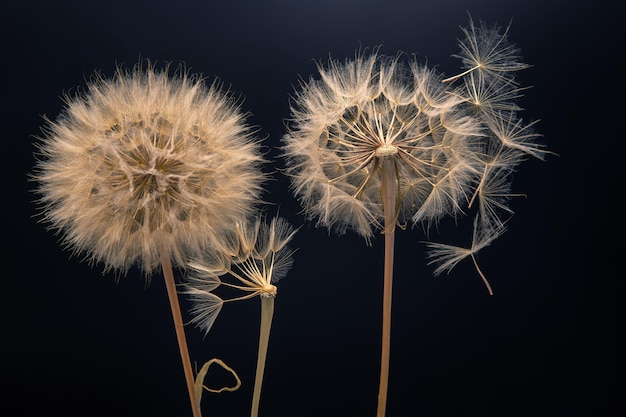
(269, 290)
(386, 150)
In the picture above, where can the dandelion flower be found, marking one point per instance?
(255, 258)
(147, 169)
(376, 142)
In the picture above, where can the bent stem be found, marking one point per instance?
(172, 294)
(388, 176)
(267, 312)
(199, 385)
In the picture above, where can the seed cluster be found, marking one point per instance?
(145, 165)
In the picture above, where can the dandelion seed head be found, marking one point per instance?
(367, 110)
(259, 257)
(147, 164)
(452, 142)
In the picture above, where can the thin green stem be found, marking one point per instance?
(389, 194)
(172, 294)
(267, 312)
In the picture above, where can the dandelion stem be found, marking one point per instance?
(172, 294)
(267, 312)
(388, 174)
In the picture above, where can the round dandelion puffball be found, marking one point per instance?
(146, 165)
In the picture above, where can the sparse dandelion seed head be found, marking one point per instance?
(453, 142)
(254, 268)
(147, 164)
(369, 111)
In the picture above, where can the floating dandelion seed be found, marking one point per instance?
(374, 143)
(253, 260)
(447, 256)
(146, 169)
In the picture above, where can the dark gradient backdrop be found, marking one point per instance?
(75, 343)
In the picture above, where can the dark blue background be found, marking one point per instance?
(75, 343)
